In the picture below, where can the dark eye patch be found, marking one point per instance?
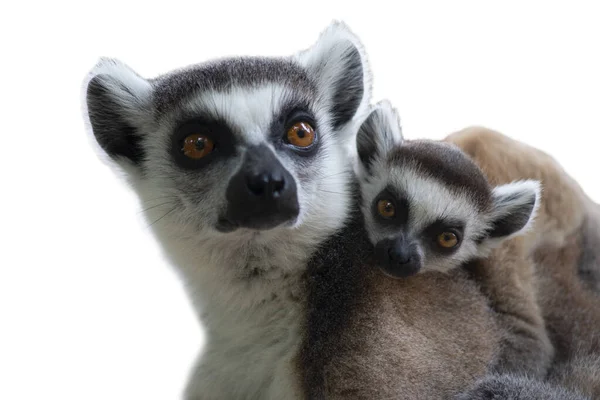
(218, 131)
(432, 231)
(401, 207)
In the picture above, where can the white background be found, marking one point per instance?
(88, 310)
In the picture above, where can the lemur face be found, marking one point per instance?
(427, 206)
(236, 145)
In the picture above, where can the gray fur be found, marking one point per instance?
(581, 373)
(171, 89)
(589, 262)
(514, 387)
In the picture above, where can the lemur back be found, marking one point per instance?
(564, 247)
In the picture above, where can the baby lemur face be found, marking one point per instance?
(237, 146)
(426, 205)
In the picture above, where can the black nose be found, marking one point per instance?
(266, 183)
(400, 254)
(398, 257)
(261, 195)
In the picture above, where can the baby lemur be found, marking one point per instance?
(432, 335)
(428, 207)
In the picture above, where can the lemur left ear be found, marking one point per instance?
(379, 133)
(338, 66)
(117, 100)
(514, 208)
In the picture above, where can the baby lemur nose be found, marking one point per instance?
(401, 255)
(261, 195)
(398, 257)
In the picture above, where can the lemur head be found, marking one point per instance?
(427, 205)
(238, 147)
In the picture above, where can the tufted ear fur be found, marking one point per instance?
(117, 102)
(338, 66)
(379, 133)
(514, 207)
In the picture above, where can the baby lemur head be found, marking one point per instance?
(239, 149)
(427, 206)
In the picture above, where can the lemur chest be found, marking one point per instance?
(253, 336)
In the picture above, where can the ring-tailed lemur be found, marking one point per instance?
(241, 166)
(429, 207)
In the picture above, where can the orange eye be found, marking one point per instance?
(197, 146)
(447, 240)
(386, 208)
(301, 134)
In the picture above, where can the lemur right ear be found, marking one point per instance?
(117, 101)
(379, 133)
(337, 64)
(515, 205)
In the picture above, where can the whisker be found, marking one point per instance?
(158, 198)
(336, 174)
(164, 215)
(329, 191)
(157, 205)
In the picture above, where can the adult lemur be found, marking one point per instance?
(241, 166)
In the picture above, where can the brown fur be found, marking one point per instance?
(429, 348)
(564, 246)
(506, 278)
(374, 337)
(504, 160)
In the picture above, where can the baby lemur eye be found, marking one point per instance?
(447, 240)
(197, 146)
(301, 135)
(386, 208)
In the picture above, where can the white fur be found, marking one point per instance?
(250, 110)
(525, 189)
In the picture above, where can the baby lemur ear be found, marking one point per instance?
(514, 207)
(117, 101)
(379, 133)
(338, 66)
